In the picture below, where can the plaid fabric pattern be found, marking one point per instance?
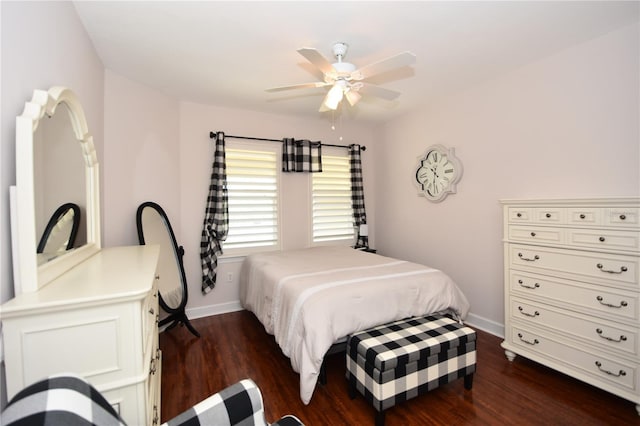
(60, 400)
(357, 192)
(301, 156)
(72, 401)
(398, 361)
(216, 220)
(239, 404)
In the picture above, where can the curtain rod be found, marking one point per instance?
(212, 135)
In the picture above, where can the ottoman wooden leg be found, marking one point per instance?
(380, 418)
(468, 381)
(352, 388)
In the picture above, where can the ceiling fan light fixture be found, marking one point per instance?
(352, 97)
(333, 98)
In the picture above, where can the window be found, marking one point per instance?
(331, 201)
(252, 182)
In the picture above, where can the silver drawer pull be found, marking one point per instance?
(609, 271)
(528, 342)
(601, 239)
(611, 373)
(527, 314)
(548, 215)
(582, 216)
(622, 217)
(152, 368)
(521, 256)
(622, 338)
(151, 311)
(622, 304)
(533, 234)
(519, 214)
(522, 284)
(157, 277)
(156, 418)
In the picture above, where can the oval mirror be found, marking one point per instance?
(154, 228)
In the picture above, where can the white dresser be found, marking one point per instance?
(98, 320)
(572, 290)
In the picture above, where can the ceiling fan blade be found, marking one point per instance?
(298, 86)
(400, 60)
(353, 97)
(316, 59)
(379, 92)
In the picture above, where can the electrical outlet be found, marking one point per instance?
(230, 277)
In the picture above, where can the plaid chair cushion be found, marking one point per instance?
(72, 401)
(60, 400)
(239, 404)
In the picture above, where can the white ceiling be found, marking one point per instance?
(228, 53)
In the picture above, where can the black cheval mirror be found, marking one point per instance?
(154, 228)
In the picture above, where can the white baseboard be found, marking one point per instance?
(473, 320)
(207, 311)
(484, 324)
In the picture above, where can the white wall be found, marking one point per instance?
(566, 126)
(141, 158)
(43, 45)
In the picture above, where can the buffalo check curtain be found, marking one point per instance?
(216, 220)
(301, 156)
(357, 192)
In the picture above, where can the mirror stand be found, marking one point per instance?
(154, 228)
(177, 316)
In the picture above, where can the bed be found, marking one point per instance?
(309, 299)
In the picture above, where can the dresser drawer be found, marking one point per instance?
(590, 330)
(538, 235)
(152, 394)
(585, 216)
(150, 314)
(611, 303)
(549, 215)
(626, 217)
(153, 402)
(602, 367)
(604, 239)
(520, 215)
(607, 269)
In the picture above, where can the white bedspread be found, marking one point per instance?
(310, 298)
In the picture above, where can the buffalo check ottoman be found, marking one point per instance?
(395, 362)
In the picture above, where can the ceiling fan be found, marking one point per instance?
(345, 79)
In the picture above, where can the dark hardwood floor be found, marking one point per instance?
(235, 346)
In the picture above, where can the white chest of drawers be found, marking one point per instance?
(571, 274)
(98, 320)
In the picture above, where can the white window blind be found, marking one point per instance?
(331, 201)
(252, 183)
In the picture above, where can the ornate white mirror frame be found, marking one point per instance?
(28, 275)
